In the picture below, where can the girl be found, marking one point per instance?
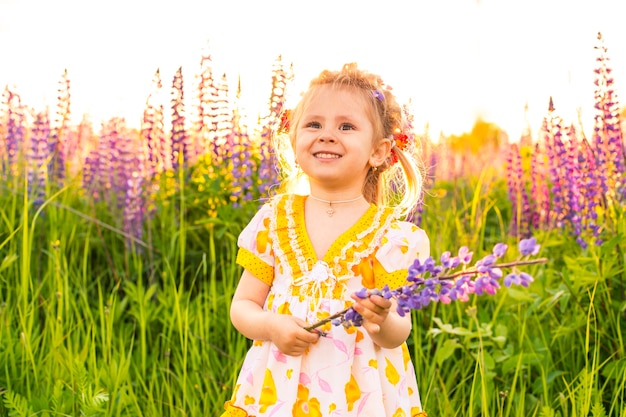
(304, 257)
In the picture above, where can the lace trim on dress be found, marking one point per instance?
(287, 222)
(374, 243)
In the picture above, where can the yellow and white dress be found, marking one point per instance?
(345, 373)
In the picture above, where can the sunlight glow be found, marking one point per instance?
(455, 61)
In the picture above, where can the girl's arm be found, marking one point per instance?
(384, 325)
(247, 315)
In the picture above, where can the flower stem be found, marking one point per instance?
(327, 319)
(474, 271)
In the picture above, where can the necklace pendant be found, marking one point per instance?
(330, 211)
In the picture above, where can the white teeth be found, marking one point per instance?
(327, 155)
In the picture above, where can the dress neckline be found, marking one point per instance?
(337, 245)
(294, 250)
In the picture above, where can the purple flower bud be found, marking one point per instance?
(500, 249)
(525, 279)
(465, 255)
(429, 264)
(495, 273)
(415, 270)
(528, 246)
(487, 260)
(362, 293)
(387, 293)
(485, 284)
(445, 296)
(377, 94)
(511, 279)
(454, 262)
(445, 259)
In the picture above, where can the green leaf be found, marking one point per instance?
(16, 405)
(447, 350)
(7, 261)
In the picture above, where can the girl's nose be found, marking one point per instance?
(326, 137)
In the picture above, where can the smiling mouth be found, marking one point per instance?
(323, 155)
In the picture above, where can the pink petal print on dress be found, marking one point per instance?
(340, 345)
(279, 356)
(362, 403)
(304, 379)
(325, 386)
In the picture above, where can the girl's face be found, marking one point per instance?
(334, 142)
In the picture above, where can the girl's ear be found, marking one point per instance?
(380, 152)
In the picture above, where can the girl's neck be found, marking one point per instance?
(334, 203)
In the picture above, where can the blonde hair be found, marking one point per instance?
(393, 183)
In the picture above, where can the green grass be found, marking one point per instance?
(91, 327)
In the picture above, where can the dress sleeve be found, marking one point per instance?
(401, 245)
(255, 249)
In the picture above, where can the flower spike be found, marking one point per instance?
(429, 283)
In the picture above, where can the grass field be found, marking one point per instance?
(117, 268)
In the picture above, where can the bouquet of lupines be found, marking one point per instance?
(453, 279)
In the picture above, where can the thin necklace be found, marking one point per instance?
(331, 210)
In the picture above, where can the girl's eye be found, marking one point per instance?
(314, 125)
(346, 126)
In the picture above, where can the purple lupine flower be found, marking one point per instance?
(465, 256)
(511, 279)
(429, 283)
(485, 263)
(15, 130)
(223, 118)
(60, 139)
(131, 162)
(206, 124)
(134, 210)
(539, 190)
(573, 189)
(445, 259)
(558, 175)
(37, 157)
(592, 195)
(268, 169)
(462, 288)
(523, 279)
(362, 293)
(511, 180)
(243, 164)
(557, 161)
(116, 136)
(83, 142)
(485, 284)
(179, 139)
(608, 136)
(158, 152)
(520, 216)
(528, 247)
(500, 249)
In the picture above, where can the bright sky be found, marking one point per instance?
(455, 59)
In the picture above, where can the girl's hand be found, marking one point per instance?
(289, 336)
(374, 310)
